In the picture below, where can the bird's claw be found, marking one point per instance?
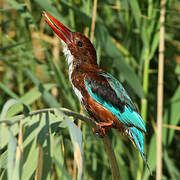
(103, 126)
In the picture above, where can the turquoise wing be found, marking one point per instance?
(110, 96)
(119, 89)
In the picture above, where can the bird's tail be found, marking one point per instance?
(136, 136)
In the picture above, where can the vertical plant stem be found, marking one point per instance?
(74, 162)
(160, 93)
(39, 169)
(93, 21)
(74, 170)
(56, 49)
(112, 158)
(19, 151)
(144, 103)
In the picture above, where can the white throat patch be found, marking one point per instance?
(69, 58)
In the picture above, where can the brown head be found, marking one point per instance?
(77, 47)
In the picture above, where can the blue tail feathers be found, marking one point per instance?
(137, 137)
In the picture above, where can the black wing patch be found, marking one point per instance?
(106, 93)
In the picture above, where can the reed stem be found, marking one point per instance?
(93, 23)
(160, 92)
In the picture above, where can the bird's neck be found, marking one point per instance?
(79, 63)
(78, 67)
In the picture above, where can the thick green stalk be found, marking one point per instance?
(144, 102)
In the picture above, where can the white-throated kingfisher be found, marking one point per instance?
(102, 96)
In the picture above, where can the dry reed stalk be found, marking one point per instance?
(56, 54)
(39, 164)
(74, 163)
(160, 93)
(56, 48)
(36, 44)
(93, 23)
(74, 170)
(176, 128)
(19, 151)
(44, 37)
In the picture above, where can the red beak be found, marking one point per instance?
(62, 31)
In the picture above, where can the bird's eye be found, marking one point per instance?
(79, 43)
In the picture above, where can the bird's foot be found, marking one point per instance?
(103, 126)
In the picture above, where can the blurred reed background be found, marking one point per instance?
(126, 35)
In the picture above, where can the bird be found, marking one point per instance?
(102, 95)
